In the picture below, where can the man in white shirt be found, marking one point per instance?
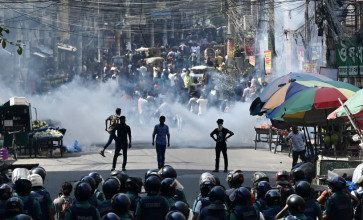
(298, 145)
(202, 105)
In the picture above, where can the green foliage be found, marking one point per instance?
(4, 42)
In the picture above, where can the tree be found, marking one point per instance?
(4, 42)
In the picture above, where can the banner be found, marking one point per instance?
(230, 49)
(268, 61)
(309, 67)
(252, 60)
(349, 57)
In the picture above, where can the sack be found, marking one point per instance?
(74, 148)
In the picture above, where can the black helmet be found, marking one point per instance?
(262, 188)
(40, 171)
(168, 172)
(175, 215)
(167, 187)
(217, 194)
(152, 184)
(235, 178)
(282, 178)
(110, 216)
(90, 181)
(5, 192)
(120, 203)
(207, 177)
(241, 196)
(23, 187)
(296, 204)
(337, 183)
(110, 187)
(298, 175)
(152, 172)
(273, 197)
(14, 206)
(122, 177)
(96, 176)
(83, 191)
(259, 176)
(182, 207)
(23, 217)
(133, 184)
(303, 189)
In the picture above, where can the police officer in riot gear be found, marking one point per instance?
(175, 215)
(168, 171)
(122, 177)
(235, 179)
(152, 206)
(339, 205)
(40, 171)
(82, 209)
(206, 182)
(92, 200)
(295, 204)
(273, 202)
(259, 176)
(243, 207)
(262, 188)
(133, 189)
(181, 207)
(5, 193)
(110, 187)
(312, 207)
(167, 190)
(283, 183)
(98, 178)
(217, 208)
(13, 207)
(43, 196)
(31, 204)
(121, 206)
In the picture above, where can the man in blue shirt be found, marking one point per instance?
(161, 131)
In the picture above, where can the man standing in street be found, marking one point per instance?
(122, 132)
(161, 131)
(298, 145)
(222, 134)
(113, 121)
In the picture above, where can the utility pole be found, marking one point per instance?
(98, 32)
(307, 30)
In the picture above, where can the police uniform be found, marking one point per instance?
(152, 207)
(31, 206)
(214, 212)
(46, 204)
(339, 206)
(134, 199)
(82, 211)
(271, 212)
(312, 209)
(260, 205)
(245, 213)
(99, 195)
(104, 207)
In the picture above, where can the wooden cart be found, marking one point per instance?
(268, 135)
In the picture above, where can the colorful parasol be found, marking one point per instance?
(311, 105)
(354, 104)
(290, 89)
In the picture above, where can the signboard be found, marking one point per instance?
(230, 49)
(309, 67)
(349, 58)
(329, 72)
(268, 61)
(252, 60)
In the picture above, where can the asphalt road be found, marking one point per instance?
(189, 162)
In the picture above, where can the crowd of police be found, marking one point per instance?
(160, 196)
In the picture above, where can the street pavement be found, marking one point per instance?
(189, 163)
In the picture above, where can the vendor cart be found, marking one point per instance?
(46, 140)
(269, 135)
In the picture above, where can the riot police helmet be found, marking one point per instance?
(23, 187)
(133, 184)
(5, 192)
(36, 180)
(217, 195)
(152, 184)
(262, 188)
(298, 175)
(207, 177)
(122, 177)
(235, 178)
(259, 176)
(39, 170)
(83, 191)
(175, 215)
(120, 203)
(97, 177)
(336, 183)
(241, 196)
(110, 187)
(167, 187)
(152, 172)
(282, 177)
(90, 181)
(303, 189)
(273, 197)
(14, 206)
(182, 207)
(168, 171)
(110, 216)
(296, 204)
(23, 217)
